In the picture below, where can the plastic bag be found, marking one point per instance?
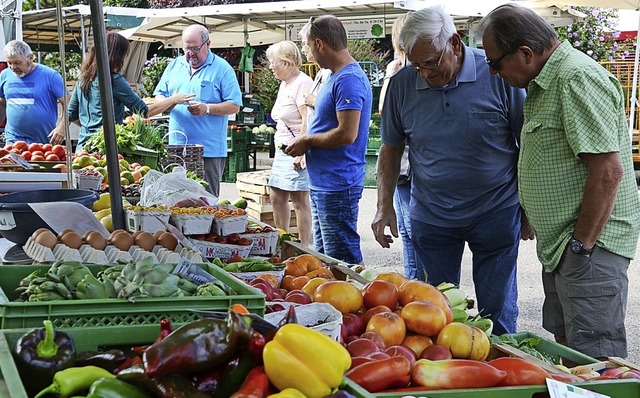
(174, 189)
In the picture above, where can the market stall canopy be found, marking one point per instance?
(234, 25)
(40, 27)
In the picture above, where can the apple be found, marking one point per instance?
(400, 350)
(435, 352)
(375, 337)
(362, 347)
(353, 323)
(368, 314)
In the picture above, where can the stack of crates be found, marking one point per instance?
(252, 111)
(238, 138)
(374, 143)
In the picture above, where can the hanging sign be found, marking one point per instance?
(356, 29)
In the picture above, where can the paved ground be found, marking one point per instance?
(529, 269)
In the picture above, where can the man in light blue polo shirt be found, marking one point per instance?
(462, 127)
(204, 120)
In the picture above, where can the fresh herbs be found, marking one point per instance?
(527, 345)
(136, 132)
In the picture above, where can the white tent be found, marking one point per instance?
(615, 4)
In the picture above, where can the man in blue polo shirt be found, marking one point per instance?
(336, 142)
(204, 120)
(462, 126)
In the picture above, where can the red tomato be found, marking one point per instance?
(380, 292)
(376, 338)
(390, 326)
(47, 147)
(362, 347)
(3, 152)
(353, 323)
(52, 157)
(59, 150)
(464, 341)
(435, 353)
(8, 147)
(26, 155)
(20, 146)
(396, 350)
(344, 296)
(34, 147)
(423, 291)
(394, 277)
(519, 372)
(417, 343)
(37, 158)
(423, 317)
(37, 153)
(372, 311)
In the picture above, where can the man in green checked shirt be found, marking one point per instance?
(576, 179)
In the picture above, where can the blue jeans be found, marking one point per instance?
(494, 242)
(335, 223)
(401, 200)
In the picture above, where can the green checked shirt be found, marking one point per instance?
(573, 106)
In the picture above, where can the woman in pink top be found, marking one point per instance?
(289, 179)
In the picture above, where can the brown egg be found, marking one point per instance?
(84, 235)
(46, 239)
(37, 232)
(71, 239)
(168, 241)
(96, 240)
(122, 241)
(135, 234)
(144, 240)
(114, 233)
(64, 231)
(158, 234)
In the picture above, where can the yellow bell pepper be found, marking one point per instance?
(305, 359)
(288, 393)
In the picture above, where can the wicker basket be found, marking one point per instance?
(191, 156)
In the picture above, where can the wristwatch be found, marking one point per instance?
(578, 248)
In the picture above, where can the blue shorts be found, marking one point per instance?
(335, 224)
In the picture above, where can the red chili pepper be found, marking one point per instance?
(256, 345)
(455, 373)
(165, 329)
(394, 372)
(128, 363)
(520, 372)
(256, 385)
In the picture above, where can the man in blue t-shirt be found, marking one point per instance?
(29, 97)
(204, 120)
(462, 126)
(336, 142)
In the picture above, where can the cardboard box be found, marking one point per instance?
(222, 251)
(193, 224)
(230, 225)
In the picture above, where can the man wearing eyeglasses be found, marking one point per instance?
(204, 120)
(462, 127)
(577, 183)
(336, 142)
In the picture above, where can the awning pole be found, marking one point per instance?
(63, 69)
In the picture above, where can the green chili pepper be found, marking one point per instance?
(114, 388)
(42, 352)
(197, 345)
(71, 381)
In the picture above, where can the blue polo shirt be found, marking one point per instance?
(32, 103)
(336, 169)
(462, 138)
(213, 83)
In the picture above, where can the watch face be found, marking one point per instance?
(575, 246)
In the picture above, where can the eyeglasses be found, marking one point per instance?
(496, 64)
(313, 25)
(195, 49)
(431, 64)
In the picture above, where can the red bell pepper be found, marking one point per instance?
(565, 377)
(256, 385)
(165, 329)
(393, 372)
(455, 373)
(520, 372)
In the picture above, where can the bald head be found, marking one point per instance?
(195, 44)
(196, 32)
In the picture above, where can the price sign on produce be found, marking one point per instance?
(356, 29)
(558, 389)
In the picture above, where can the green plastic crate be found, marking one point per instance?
(114, 312)
(370, 169)
(612, 388)
(237, 162)
(559, 351)
(238, 138)
(144, 156)
(90, 339)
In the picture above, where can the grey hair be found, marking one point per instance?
(285, 51)
(204, 32)
(432, 24)
(17, 47)
(513, 26)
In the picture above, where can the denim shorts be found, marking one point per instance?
(586, 301)
(335, 223)
(285, 177)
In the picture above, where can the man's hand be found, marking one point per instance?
(298, 146)
(56, 136)
(381, 220)
(197, 108)
(526, 230)
(299, 163)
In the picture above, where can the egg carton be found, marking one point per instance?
(114, 254)
(38, 252)
(137, 253)
(66, 253)
(92, 255)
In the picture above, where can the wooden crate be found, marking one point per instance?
(267, 217)
(635, 143)
(253, 185)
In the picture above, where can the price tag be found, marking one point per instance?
(558, 389)
(7, 221)
(192, 272)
